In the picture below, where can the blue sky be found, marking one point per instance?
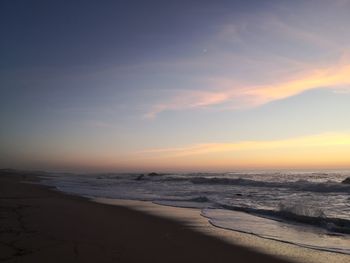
(105, 86)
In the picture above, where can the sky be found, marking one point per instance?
(134, 86)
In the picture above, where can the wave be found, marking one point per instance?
(300, 185)
(296, 234)
(287, 212)
(199, 199)
(298, 214)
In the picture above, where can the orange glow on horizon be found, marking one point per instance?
(318, 151)
(321, 151)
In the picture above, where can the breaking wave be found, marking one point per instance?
(300, 185)
(298, 214)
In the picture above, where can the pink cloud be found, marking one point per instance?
(189, 100)
(242, 96)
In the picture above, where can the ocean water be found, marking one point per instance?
(309, 209)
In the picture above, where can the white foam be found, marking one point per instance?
(192, 218)
(301, 235)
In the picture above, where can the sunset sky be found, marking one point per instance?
(174, 85)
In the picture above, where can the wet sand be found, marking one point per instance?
(192, 218)
(39, 224)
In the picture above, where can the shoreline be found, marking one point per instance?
(40, 223)
(193, 218)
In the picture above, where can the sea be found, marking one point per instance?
(306, 208)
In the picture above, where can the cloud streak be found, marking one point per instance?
(189, 100)
(240, 96)
(320, 150)
(317, 140)
(261, 59)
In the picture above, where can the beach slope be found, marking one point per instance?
(42, 225)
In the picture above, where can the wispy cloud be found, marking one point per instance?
(189, 99)
(245, 70)
(332, 78)
(324, 140)
(240, 96)
(97, 124)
